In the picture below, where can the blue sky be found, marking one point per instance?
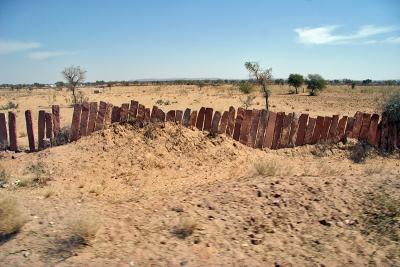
(127, 40)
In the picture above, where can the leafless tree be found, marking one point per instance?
(74, 76)
(262, 77)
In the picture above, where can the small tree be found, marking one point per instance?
(315, 83)
(296, 80)
(59, 85)
(246, 87)
(74, 76)
(262, 77)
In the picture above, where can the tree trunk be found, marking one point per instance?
(73, 96)
(266, 101)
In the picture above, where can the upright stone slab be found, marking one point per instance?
(84, 119)
(133, 109)
(278, 129)
(200, 118)
(341, 129)
(262, 125)
(3, 132)
(160, 116)
(319, 125)
(107, 115)
(215, 123)
(141, 112)
(392, 137)
(310, 130)
(294, 127)
(100, 116)
(284, 138)
(124, 112)
(115, 114)
(154, 114)
(171, 116)
(55, 110)
(384, 132)
(349, 128)
(255, 120)
(12, 130)
(333, 130)
(49, 126)
(357, 125)
(208, 119)
(42, 127)
(302, 129)
(92, 117)
(178, 116)
(325, 129)
(29, 130)
(193, 118)
(373, 130)
(186, 117)
(231, 121)
(269, 132)
(75, 125)
(224, 122)
(245, 128)
(238, 123)
(366, 120)
(147, 115)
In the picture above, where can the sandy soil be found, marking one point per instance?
(334, 100)
(141, 187)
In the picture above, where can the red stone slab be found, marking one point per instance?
(238, 123)
(84, 118)
(49, 126)
(341, 129)
(366, 120)
(178, 116)
(160, 116)
(319, 125)
(186, 117)
(325, 129)
(215, 123)
(124, 112)
(141, 112)
(76, 119)
(208, 115)
(42, 127)
(269, 132)
(294, 127)
(55, 110)
(278, 129)
(12, 131)
(29, 130)
(147, 114)
(245, 128)
(310, 130)
(154, 114)
(92, 117)
(133, 110)
(349, 128)
(392, 137)
(384, 125)
(285, 132)
(255, 120)
(3, 132)
(357, 125)
(171, 116)
(302, 129)
(333, 130)
(100, 116)
(107, 116)
(230, 127)
(200, 118)
(193, 118)
(262, 126)
(115, 114)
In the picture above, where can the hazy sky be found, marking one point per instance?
(127, 40)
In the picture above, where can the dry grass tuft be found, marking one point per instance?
(11, 217)
(374, 169)
(184, 229)
(267, 168)
(83, 228)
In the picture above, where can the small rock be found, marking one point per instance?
(259, 193)
(325, 222)
(26, 254)
(131, 263)
(183, 263)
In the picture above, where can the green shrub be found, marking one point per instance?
(245, 87)
(392, 108)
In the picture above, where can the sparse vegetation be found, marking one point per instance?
(11, 217)
(245, 87)
(3, 177)
(296, 80)
(248, 101)
(392, 108)
(83, 227)
(266, 168)
(315, 83)
(9, 105)
(184, 229)
(62, 137)
(74, 76)
(359, 152)
(263, 77)
(40, 174)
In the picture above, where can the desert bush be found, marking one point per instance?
(315, 83)
(9, 105)
(392, 108)
(62, 137)
(184, 229)
(11, 217)
(3, 176)
(267, 168)
(295, 80)
(245, 87)
(40, 175)
(83, 227)
(248, 101)
(359, 152)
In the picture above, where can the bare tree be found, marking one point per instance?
(262, 77)
(74, 76)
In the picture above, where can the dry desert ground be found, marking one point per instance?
(173, 196)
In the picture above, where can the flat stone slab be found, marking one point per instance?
(193, 118)
(124, 112)
(373, 137)
(115, 114)
(92, 117)
(231, 122)
(29, 130)
(349, 127)
(55, 110)
(357, 125)
(310, 130)
(215, 123)
(42, 126)
(262, 126)
(12, 131)
(49, 126)
(294, 127)
(133, 110)
(278, 129)
(238, 123)
(200, 118)
(319, 125)
(100, 116)
(178, 116)
(186, 117)
(333, 130)
(255, 120)
(75, 125)
(325, 129)
(269, 132)
(107, 116)
(366, 121)
(341, 128)
(208, 114)
(284, 138)
(171, 116)
(3, 132)
(141, 112)
(245, 128)
(302, 129)
(84, 119)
